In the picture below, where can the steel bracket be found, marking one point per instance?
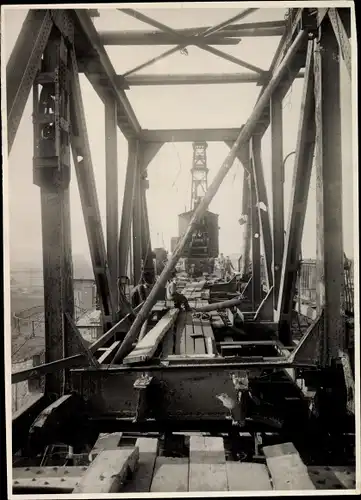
(141, 385)
(51, 162)
(311, 349)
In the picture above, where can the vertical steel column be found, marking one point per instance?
(147, 253)
(244, 157)
(127, 210)
(256, 243)
(51, 170)
(111, 165)
(89, 198)
(247, 231)
(277, 191)
(261, 197)
(330, 258)
(298, 202)
(137, 227)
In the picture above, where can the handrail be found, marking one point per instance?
(70, 361)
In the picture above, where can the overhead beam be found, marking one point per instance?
(112, 37)
(244, 136)
(101, 73)
(298, 202)
(190, 135)
(193, 79)
(179, 38)
(120, 38)
(228, 36)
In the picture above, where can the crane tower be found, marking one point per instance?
(199, 173)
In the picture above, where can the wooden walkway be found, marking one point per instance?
(192, 335)
(129, 465)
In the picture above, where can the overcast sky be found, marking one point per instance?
(172, 107)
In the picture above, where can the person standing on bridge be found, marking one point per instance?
(228, 268)
(222, 265)
(178, 298)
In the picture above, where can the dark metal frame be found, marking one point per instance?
(53, 31)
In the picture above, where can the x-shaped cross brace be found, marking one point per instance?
(186, 41)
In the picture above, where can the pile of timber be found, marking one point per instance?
(117, 466)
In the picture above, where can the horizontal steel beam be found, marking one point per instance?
(232, 37)
(174, 392)
(190, 135)
(101, 74)
(154, 38)
(192, 79)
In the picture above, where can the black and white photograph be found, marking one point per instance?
(180, 186)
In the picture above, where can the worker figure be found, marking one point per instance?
(178, 298)
(222, 265)
(228, 268)
(192, 270)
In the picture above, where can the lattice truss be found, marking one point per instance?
(55, 46)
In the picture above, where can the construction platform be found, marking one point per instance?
(179, 462)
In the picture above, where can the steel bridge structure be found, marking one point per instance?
(85, 392)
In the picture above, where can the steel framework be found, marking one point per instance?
(53, 48)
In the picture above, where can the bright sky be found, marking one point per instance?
(173, 107)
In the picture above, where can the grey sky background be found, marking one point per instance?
(173, 107)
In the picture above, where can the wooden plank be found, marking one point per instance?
(108, 355)
(170, 474)
(207, 468)
(182, 318)
(142, 478)
(109, 471)
(105, 442)
(244, 476)
(198, 337)
(168, 343)
(187, 342)
(148, 345)
(287, 470)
